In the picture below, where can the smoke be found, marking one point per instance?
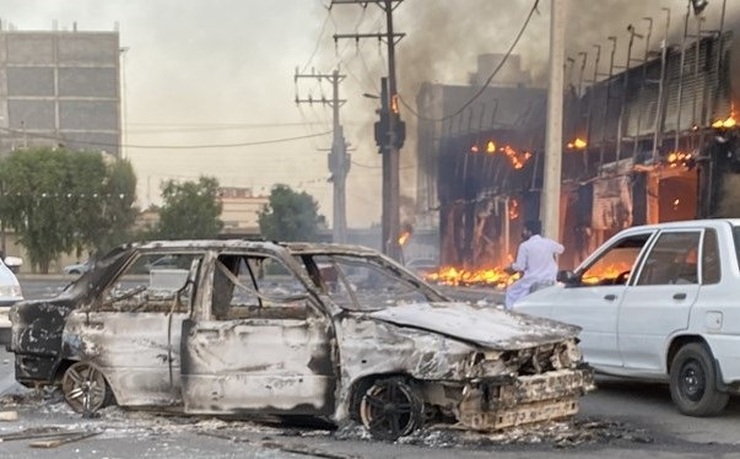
(444, 38)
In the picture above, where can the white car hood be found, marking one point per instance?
(485, 326)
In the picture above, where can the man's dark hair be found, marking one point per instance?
(533, 226)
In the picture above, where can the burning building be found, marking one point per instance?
(655, 142)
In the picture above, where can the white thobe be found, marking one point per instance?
(536, 259)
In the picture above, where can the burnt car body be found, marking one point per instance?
(339, 332)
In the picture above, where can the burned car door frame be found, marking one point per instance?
(131, 330)
(274, 355)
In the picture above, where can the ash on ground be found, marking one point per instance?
(45, 406)
(554, 434)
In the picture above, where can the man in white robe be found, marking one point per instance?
(536, 260)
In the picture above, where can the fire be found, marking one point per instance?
(517, 158)
(577, 144)
(404, 237)
(728, 123)
(494, 277)
(513, 209)
(678, 158)
(612, 271)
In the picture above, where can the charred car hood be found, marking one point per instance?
(485, 326)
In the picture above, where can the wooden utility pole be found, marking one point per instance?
(391, 219)
(550, 202)
(338, 159)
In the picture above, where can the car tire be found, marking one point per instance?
(85, 388)
(693, 383)
(74, 272)
(391, 408)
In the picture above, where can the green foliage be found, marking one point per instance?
(191, 210)
(290, 216)
(60, 201)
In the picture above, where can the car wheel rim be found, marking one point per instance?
(692, 381)
(387, 410)
(84, 388)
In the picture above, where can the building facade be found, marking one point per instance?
(60, 88)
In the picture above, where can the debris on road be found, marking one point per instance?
(8, 416)
(70, 437)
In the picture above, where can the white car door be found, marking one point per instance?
(658, 303)
(592, 300)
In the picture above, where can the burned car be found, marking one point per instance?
(258, 328)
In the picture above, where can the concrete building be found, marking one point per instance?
(240, 210)
(60, 88)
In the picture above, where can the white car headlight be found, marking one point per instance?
(11, 291)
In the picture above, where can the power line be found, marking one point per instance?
(212, 128)
(318, 40)
(166, 147)
(490, 78)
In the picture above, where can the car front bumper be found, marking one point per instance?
(491, 405)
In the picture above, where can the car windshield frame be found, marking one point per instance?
(392, 271)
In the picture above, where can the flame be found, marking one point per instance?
(676, 203)
(577, 144)
(678, 158)
(494, 277)
(498, 278)
(517, 158)
(404, 237)
(513, 209)
(611, 271)
(728, 123)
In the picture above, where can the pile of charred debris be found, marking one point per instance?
(42, 419)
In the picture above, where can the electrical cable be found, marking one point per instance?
(490, 78)
(167, 147)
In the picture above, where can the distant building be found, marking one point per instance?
(60, 88)
(240, 212)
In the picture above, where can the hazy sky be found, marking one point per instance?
(201, 72)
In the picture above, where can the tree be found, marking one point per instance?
(59, 201)
(191, 210)
(290, 216)
(116, 212)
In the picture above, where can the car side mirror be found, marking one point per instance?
(567, 277)
(13, 263)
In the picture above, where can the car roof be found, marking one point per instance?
(220, 244)
(687, 224)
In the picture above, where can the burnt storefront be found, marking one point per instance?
(653, 143)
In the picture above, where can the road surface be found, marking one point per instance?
(619, 420)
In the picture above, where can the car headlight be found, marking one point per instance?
(11, 291)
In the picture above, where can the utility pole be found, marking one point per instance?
(391, 219)
(338, 159)
(550, 202)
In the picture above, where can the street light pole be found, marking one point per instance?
(550, 205)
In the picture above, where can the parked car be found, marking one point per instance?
(10, 293)
(77, 268)
(659, 303)
(293, 329)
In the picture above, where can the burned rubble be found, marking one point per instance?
(45, 417)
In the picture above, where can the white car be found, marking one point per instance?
(10, 293)
(659, 303)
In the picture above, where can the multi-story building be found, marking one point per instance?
(60, 88)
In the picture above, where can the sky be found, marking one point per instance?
(214, 72)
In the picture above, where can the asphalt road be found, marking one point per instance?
(620, 419)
